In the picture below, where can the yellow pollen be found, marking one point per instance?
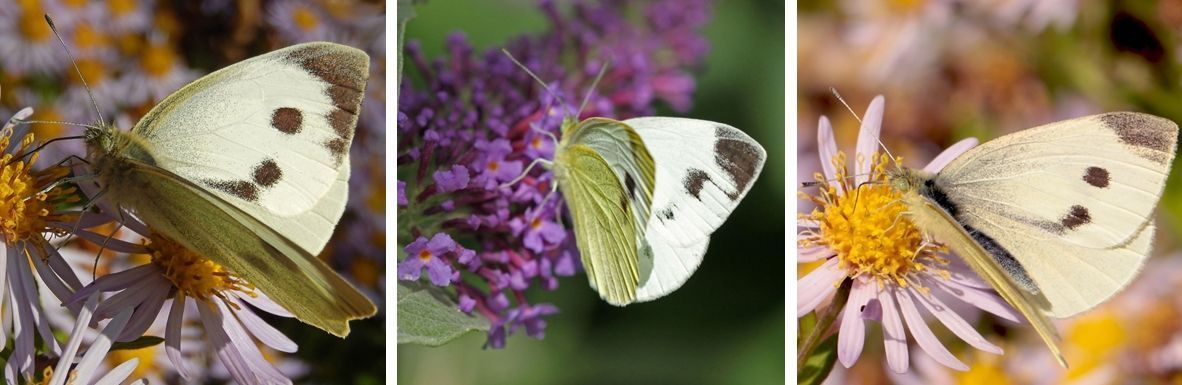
(536, 143)
(24, 209)
(147, 357)
(536, 223)
(865, 227)
(121, 7)
(493, 166)
(305, 18)
(192, 274)
(425, 255)
(157, 60)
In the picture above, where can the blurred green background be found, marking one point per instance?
(956, 69)
(726, 325)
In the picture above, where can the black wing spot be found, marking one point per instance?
(1097, 176)
(1078, 216)
(239, 188)
(694, 180)
(267, 173)
(287, 120)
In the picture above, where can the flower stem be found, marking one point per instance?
(824, 323)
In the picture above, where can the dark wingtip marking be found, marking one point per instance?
(340, 68)
(267, 173)
(1097, 176)
(1078, 216)
(666, 213)
(287, 120)
(342, 123)
(239, 188)
(1144, 131)
(739, 158)
(694, 180)
(339, 147)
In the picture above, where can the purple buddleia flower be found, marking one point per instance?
(428, 254)
(474, 128)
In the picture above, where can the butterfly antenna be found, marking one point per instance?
(42, 145)
(93, 102)
(587, 98)
(535, 76)
(851, 110)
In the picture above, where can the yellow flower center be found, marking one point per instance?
(121, 7)
(425, 255)
(985, 370)
(157, 60)
(25, 210)
(493, 165)
(865, 227)
(193, 274)
(1091, 342)
(305, 18)
(86, 37)
(33, 28)
(146, 365)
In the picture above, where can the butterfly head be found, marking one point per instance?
(905, 180)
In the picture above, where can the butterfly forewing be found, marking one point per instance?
(703, 170)
(1071, 201)
(270, 135)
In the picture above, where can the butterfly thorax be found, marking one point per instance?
(905, 180)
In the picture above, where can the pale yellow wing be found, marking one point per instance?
(931, 219)
(605, 229)
(218, 230)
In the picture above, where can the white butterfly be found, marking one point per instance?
(249, 166)
(1057, 218)
(645, 195)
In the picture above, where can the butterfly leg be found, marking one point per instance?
(544, 162)
(94, 269)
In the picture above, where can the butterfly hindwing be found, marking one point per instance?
(204, 223)
(703, 170)
(270, 135)
(604, 228)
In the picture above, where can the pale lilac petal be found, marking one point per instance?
(117, 375)
(128, 299)
(63, 269)
(172, 337)
(807, 223)
(99, 348)
(852, 333)
(955, 323)
(264, 303)
(116, 281)
(868, 139)
(813, 254)
(265, 333)
(72, 344)
(985, 300)
(923, 335)
(894, 337)
(112, 243)
(826, 147)
(248, 351)
(949, 154)
(21, 360)
(226, 351)
(144, 316)
(816, 286)
(51, 280)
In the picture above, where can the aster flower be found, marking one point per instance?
(33, 206)
(480, 120)
(860, 233)
(85, 371)
(177, 275)
(27, 45)
(158, 72)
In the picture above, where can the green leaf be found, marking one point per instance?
(805, 326)
(138, 343)
(819, 363)
(406, 11)
(428, 316)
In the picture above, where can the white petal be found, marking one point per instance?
(852, 334)
(868, 139)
